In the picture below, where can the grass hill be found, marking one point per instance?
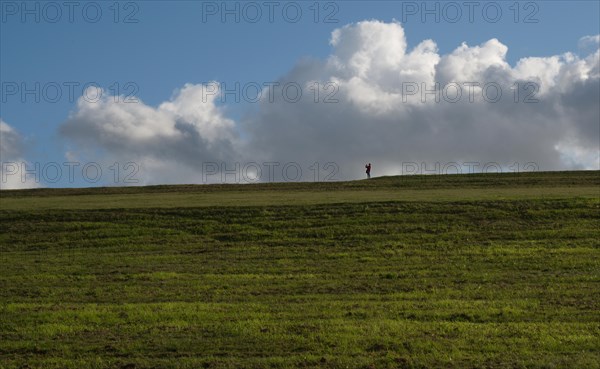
(456, 271)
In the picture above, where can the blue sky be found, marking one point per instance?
(171, 45)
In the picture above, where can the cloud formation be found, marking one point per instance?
(168, 142)
(12, 162)
(393, 105)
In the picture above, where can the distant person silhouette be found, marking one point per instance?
(368, 166)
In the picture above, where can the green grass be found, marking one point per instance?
(474, 271)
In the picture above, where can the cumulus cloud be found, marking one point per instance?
(589, 42)
(167, 143)
(555, 114)
(378, 101)
(11, 141)
(12, 162)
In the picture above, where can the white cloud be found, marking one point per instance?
(375, 119)
(11, 141)
(168, 143)
(12, 162)
(473, 63)
(589, 42)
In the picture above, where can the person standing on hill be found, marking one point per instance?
(368, 166)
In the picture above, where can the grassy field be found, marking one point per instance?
(461, 271)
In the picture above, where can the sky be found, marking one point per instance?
(112, 93)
